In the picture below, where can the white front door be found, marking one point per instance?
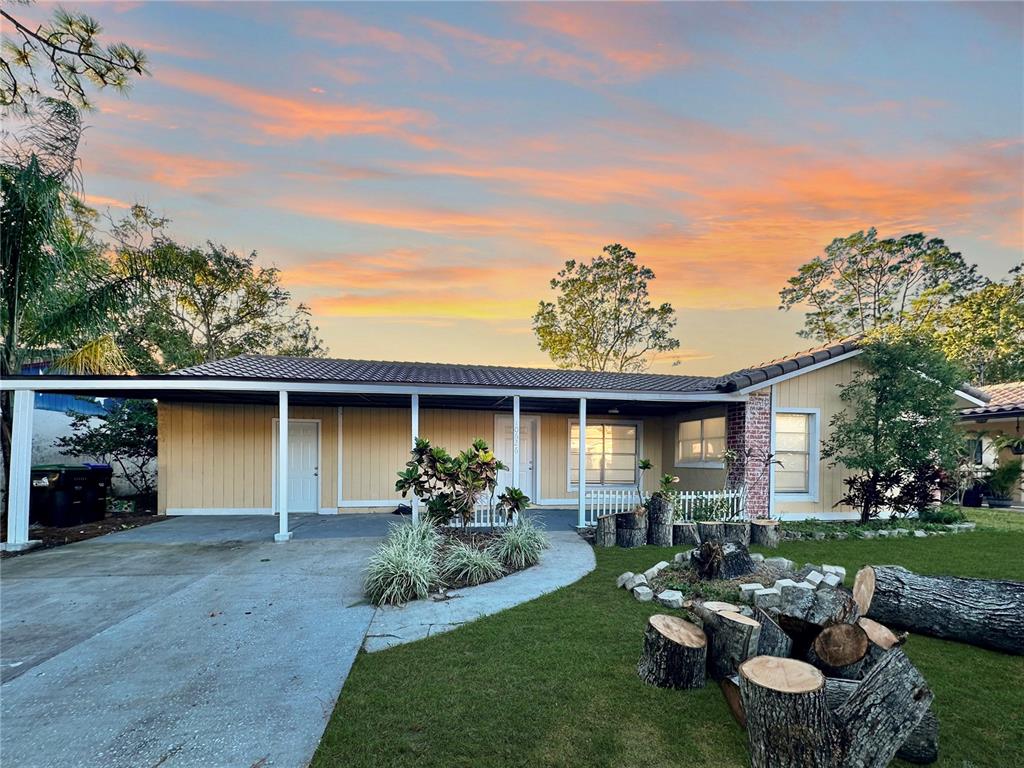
(503, 441)
(303, 465)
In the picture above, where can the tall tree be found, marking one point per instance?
(66, 50)
(863, 285)
(603, 318)
(897, 433)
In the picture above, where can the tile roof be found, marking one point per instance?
(385, 372)
(1006, 398)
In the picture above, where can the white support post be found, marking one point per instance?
(415, 406)
(515, 441)
(21, 472)
(583, 463)
(283, 533)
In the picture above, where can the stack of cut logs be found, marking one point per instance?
(655, 525)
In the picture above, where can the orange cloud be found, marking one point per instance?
(169, 169)
(346, 31)
(101, 201)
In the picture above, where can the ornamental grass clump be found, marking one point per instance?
(466, 564)
(520, 546)
(405, 566)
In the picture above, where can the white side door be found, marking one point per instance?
(503, 448)
(303, 465)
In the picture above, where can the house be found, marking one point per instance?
(1001, 416)
(277, 435)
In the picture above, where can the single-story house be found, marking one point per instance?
(277, 435)
(1001, 416)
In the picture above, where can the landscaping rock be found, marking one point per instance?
(670, 598)
(683, 558)
(757, 557)
(901, 532)
(643, 594)
(655, 569)
(831, 580)
(747, 591)
(623, 579)
(780, 583)
(838, 570)
(782, 563)
(884, 534)
(767, 598)
(814, 578)
(842, 535)
(637, 580)
(921, 534)
(819, 536)
(869, 534)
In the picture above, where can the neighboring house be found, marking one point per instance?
(351, 424)
(1002, 415)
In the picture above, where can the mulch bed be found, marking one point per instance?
(690, 584)
(476, 538)
(58, 537)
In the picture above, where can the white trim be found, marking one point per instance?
(516, 423)
(700, 465)
(349, 503)
(799, 372)
(813, 493)
(319, 460)
(581, 460)
(328, 511)
(414, 429)
(185, 511)
(570, 502)
(266, 386)
(339, 455)
(20, 479)
(638, 423)
(534, 421)
(969, 398)
(771, 450)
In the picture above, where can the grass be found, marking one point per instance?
(553, 682)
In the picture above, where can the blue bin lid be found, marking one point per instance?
(97, 466)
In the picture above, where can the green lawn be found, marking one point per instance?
(553, 682)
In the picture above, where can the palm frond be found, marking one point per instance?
(98, 356)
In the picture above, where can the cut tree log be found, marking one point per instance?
(982, 612)
(706, 608)
(631, 529)
(803, 617)
(772, 641)
(790, 724)
(731, 691)
(765, 533)
(604, 535)
(732, 639)
(714, 560)
(659, 521)
(710, 530)
(881, 639)
(737, 533)
(839, 650)
(685, 534)
(922, 744)
(675, 653)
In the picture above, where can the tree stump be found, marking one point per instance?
(737, 533)
(604, 535)
(714, 560)
(659, 521)
(731, 692)
(982, 612)
(710, 530)
(732, 639)
(839, 650)
(685, 534)
(765, 533)
(675, 653)
(630, 529)
(772, 641)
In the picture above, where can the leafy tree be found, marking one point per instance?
(603, 318)
(863, 285)
(125, 436)
(897, 432)
(68, 47)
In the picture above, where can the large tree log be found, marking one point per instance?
(685, 534)
(659, 521)
(881, 640)
(839, 650)
(675, 653)
(737, 533)
(710, 530)
(714, 560)
(765, 533)
(982, 612)
(731, 692)
(630, 529)
(790, 723)
(772, 640)
(732, 639)
(604, 535)
(807, 613)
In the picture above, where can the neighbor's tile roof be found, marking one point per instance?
(382, 372)
(1003, 398)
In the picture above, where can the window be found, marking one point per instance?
(700, 441)
(796, 451)
(611, 453)
(975, 450)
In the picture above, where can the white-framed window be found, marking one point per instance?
(797, 452)
(700, 442)
(613, 451)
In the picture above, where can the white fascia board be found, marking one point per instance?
(969, 398)
(196, 384)
(799, 372)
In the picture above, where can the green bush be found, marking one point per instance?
(520, 546)
(944, 515)
(465, 564)
(405, 566)
(422, 536)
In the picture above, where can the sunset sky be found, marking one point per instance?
(420, 171)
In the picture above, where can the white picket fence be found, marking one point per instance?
(610, 501)
(482, 518)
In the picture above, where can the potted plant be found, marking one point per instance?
(1001, 482)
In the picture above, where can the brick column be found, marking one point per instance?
(748, 432)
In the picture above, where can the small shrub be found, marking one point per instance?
(402, 569)
(944, 515)
(520, 546)
(465, 564)
(421, 536)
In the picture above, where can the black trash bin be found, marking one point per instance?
(97, 491)
(59, 494)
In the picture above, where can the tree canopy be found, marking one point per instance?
(603, 318)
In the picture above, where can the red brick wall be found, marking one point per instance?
(748, 432)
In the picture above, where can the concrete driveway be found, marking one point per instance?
(191, 642)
